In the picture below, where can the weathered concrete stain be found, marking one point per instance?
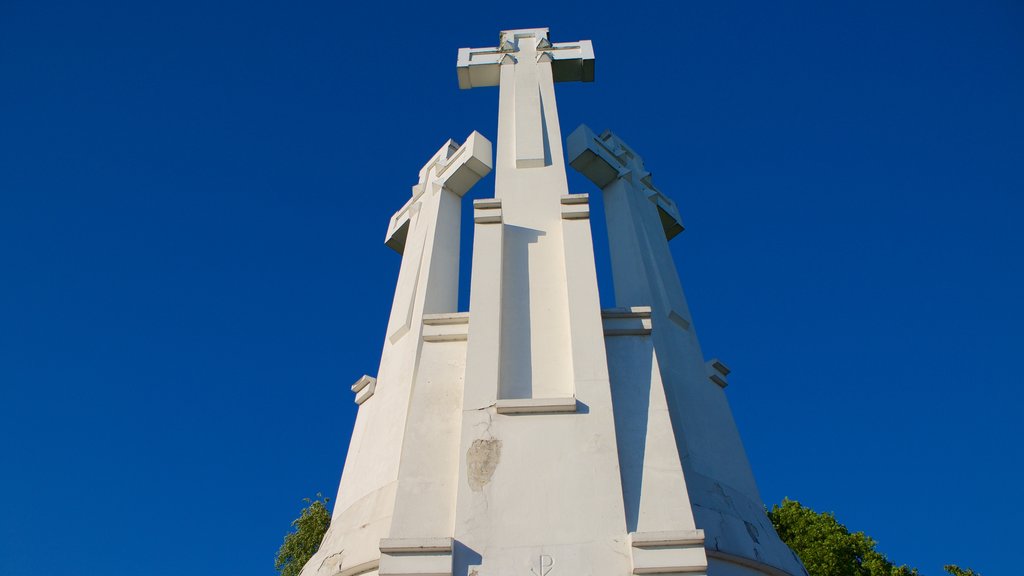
(481, 461)
(752, 530)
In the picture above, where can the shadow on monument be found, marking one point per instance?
(546, 136)
(516, 334)
(464, 557)
(631, 399)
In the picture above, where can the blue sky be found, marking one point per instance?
(194, 196)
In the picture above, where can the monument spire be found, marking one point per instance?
(542, 337)
(537, 434)
(525, 65)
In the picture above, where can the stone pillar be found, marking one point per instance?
(398, 445)
(686, 394)
(539, 489)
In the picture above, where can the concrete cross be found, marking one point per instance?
(523, 61)
(640, 221)
(541, 341)
(431, 218)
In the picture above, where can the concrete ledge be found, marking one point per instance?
(575, 198)
(672, 552)
(670, 560)
(364, 388)
(679, 320)
(575, 212)
(631, 312)
(453, 327)
(536, 405)
(415, 545)
(487, 211)
(633, 321)
(669, 538)
(720, 367)
(487, 216)
(416, 556)
(486, 203)
(575, 206)
(447, 318)
(717, 371)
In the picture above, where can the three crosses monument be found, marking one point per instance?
(537, 433)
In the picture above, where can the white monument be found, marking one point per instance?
(538, 434)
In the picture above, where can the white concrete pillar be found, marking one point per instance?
(684, 393)
(539, 488)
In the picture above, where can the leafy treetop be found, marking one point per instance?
(300, 545)
(828, 548)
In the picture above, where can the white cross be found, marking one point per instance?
(638, 232)
(412, 231)
(521, 62)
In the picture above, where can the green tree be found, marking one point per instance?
(958, 571)
(828, 548)
(300, 545)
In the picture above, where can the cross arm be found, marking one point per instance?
(606, 158)
(471, 162)
(455, 168)
(570, 62)
(398, 227)
(590, 157)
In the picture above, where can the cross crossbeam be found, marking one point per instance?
(570, 61)
(454, 167)
(525, 65)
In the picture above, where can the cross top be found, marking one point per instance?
(456, 166)
(453, 167)
(436, 165)
(570, 61)
(607, 158)
(525, 65)
(440, 158)
(508, 40)
(623, 152)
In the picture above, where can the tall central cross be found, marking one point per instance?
(523, 65)
(528, 339)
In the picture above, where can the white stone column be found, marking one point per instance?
(536, 337)
(419, 541)
(399, 475)
(539, 490)
(686, 393)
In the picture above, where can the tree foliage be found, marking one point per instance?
(828, 548)
(300, 545)
(958, 571)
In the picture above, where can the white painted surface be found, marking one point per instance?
(536, 434)
(538, 489)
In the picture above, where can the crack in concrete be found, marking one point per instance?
(335, 570)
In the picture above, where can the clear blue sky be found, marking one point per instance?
(194, 196)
